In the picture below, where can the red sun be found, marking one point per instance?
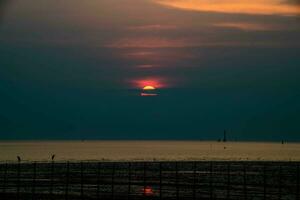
(149, 84)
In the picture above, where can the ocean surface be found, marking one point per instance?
(147, 150)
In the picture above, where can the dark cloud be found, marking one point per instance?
(3, 4)
(295, 2)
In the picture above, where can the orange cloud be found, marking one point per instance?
(148, 42)
(248, 26)
(156, 43)
(256, 7)
(147, 66)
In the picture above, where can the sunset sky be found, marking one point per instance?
(150, 69)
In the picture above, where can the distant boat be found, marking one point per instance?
(225, 136)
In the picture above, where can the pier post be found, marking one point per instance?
(177, 181)
(81, 180)
(144, 177)
(34, 180)
(265, 181)
(4, 180)
(194, 180)
(211, 180)
(280, 183)
(67, 181)
(228, 181)
(129, 181)
(245, 181)
(98, 180)
(160, 180)
(51, 180)
(298, 182)
(18, 179)
(113, 181)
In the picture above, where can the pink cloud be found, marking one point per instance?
(152, 27)
(249, 26)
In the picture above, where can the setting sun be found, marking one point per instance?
(148, 87)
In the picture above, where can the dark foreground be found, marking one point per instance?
(149, 180)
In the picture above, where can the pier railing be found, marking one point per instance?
(149, 180)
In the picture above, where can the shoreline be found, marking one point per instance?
(146, 140)
(149, 151)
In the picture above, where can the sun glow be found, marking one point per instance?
(148, 83)
(151, 86)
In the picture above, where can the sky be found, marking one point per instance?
(76, 69)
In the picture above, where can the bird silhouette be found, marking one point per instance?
(19, 158)
(52, 157)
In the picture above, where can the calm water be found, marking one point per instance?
(148, 150)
